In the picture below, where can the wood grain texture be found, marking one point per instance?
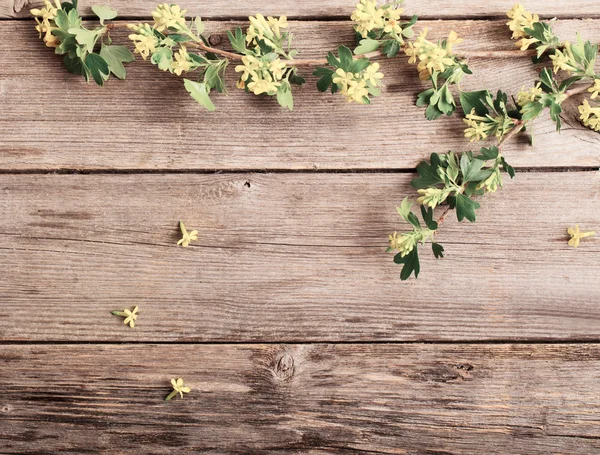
(299, 399)
(286, 257)
(318, 9)
(53, 120)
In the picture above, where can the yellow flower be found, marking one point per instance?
(524, 43)
(367, 17)
(182, 63)
(260, 86)
(492, 183)
(48, 12)
(391, 21)
(404, 243)
(187, 236)
(595, 89)
(560, 61)
(430, 56)
(276, 24)
(178, 388)
(526, 96)
(478, 127)
(250, 65)
(276, 68)
(130, 316)
(452, 40)
(433, 197)
(144, 39)
(590, 116)
(266, 29)
(520, 20)
(576, 235)
(169, 16)
(372, 75)
(342, 78)
(357, 91)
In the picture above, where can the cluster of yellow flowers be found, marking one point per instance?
(479, 127)
(144, 39)
(45, 21)
(265, 29)
(356, 87)
(520, 20)
(431, 56)
(432, 197)
(590, 116)
(564, 59)
(264, 74)
(169, 16)
(526, 96)
(368, 17)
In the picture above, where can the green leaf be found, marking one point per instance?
(74, 65)
(405, 208)
(238, 41)
(366, 45)
(507, 168)
(115, 56)
(84, 37)
(412, 219)
(474, 100)
(411, 264)
(163, 57)
(428, 175)
(104, 13)
(391, 48)
(427, 214)
(438, 250)
(200, 92)
(547, 80)
(346, 59)
(465, 208)
(284, 96)
(359, 65)
(326, 78)
(97, 67)
(471, 169)
(490, 153)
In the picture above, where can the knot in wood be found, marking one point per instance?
(214, 40)
(19, 5)
(284, 367)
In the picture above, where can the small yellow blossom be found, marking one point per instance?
(520, 20)
(577, 235)
(144, 39)
(595, 89)
(404, 243)
(187, 236)
(48, 12)
(260, 75)
(526, 96)
(130, 316)
(590, 116)
(178, 388)
(491, 184)
(261, 86)
(479, 127)
(265, 29)
(276, 68)
(372, 74)
(45, 22)
(182, 62)
(524, 43)
(560, 61)
(367, 17)
(169, 16)
(431, 56)
(432, 197)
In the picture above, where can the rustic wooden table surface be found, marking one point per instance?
(286, 318)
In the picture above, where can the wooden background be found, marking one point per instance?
(286, 318)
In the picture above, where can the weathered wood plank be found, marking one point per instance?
(286, 257)
(293, 399)
(53, 120)
(317, 9)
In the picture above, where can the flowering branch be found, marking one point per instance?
(454, 179)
